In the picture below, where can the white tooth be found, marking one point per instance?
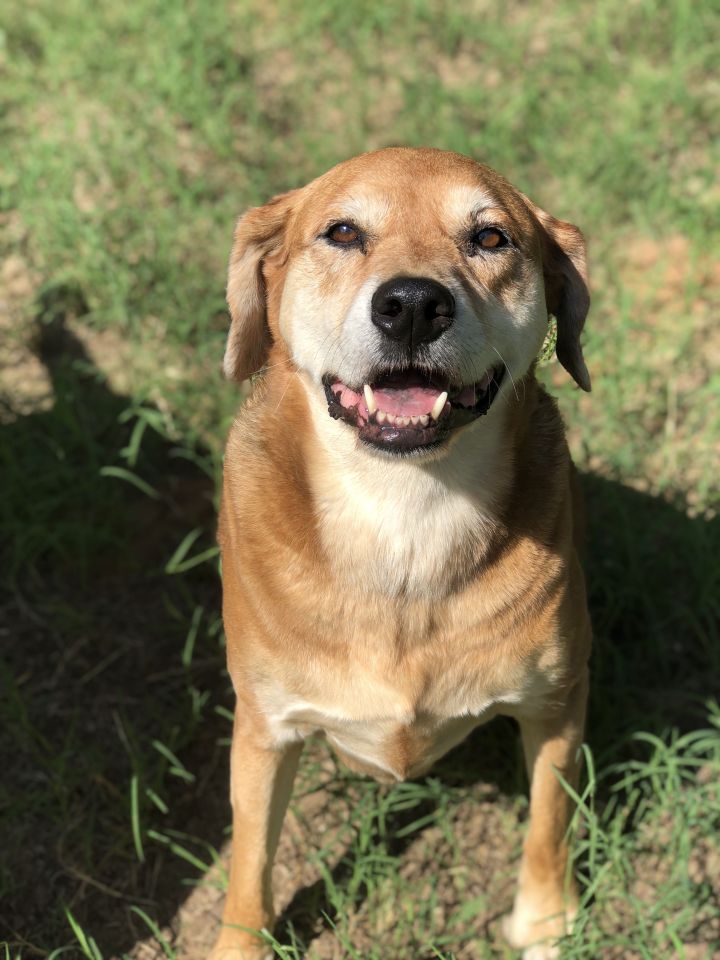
(391, 418)
(402, 421)
(424, 420)
(414, 421)
(369, 399)
(381, 416)
(439, 406)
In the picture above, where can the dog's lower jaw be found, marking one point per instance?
(410, 426)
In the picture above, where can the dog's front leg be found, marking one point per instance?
(546, 900)
(261, 779)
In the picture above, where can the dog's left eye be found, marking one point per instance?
(490, 238)
(343, 233)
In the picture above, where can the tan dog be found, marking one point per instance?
(397, 528)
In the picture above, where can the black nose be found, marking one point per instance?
(412, 309)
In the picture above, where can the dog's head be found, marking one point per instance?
(410, 288)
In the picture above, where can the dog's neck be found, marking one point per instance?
(409, 527)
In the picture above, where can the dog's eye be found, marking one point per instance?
(490, 239)
(344, 233)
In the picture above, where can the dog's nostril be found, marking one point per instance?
(392, 308)
(445, 309)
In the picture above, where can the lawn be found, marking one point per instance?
(131, 136)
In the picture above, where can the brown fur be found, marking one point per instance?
(504, 628)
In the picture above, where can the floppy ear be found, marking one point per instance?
(566, 289)
(258, 234)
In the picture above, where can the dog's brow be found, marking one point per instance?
(466, 202)
(365, 209)
(484, 209)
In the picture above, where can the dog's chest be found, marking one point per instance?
(407, 533)
(402, 658)
(392, 724)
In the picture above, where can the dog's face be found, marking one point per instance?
(411, 288)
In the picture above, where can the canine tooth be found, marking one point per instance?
(439, 406)
(381, 416)
(424, 420)
(370, 399)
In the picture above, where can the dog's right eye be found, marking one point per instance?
(343, 234)
(489, 238)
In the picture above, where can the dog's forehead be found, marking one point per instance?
(375, 188)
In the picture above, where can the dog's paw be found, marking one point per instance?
(542, 951)
(232, 945)
(538, 951)
(260, 952)
(536, 931)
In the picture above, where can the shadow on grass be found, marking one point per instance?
(103, 653)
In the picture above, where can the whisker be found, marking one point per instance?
(512, 381)
(279, 363)
(294, 374)
(330, 334)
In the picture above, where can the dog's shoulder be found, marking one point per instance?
(543, 469)
(265, 485)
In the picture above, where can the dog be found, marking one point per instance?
(398, 525)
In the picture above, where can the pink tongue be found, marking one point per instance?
(408, 402)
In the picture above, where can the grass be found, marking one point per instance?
(130, 138)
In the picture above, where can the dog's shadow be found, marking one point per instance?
(653, 577)
(92, 632)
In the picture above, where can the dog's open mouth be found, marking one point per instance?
(409, 409)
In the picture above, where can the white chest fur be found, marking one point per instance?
(395, 523)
